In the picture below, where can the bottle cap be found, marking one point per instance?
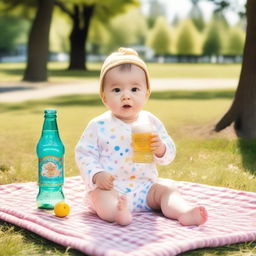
(50, 111)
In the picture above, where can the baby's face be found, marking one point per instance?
(125, 92)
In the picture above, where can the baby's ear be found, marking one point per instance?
(147, 94)
(103, 97)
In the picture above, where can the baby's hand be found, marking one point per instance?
(157, 146)
(103, 180)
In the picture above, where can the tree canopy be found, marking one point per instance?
(160, 37)
(81, 13)
(123, 32)
(188, 39)
(12, 32)
(235, 44)
(213, 43)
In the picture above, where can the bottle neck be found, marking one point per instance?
(50, 124)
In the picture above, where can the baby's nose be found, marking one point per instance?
(126, 95)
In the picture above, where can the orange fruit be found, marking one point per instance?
(61, 209)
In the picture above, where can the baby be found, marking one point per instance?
(115, 185)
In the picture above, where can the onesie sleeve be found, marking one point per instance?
(87, 155)
(167, 140)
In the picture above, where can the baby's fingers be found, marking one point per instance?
(108, 185)
(154, 138)
(155, 145)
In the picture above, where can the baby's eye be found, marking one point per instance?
(135, 89)
(116, 90)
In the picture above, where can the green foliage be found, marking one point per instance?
(125, 30)
(22, 8)
(159, 38)
(217, 35)
(118, 35)
(98, 36)
(140, 24)
(235, 42)
(59, 32)
(196, 16)
(188, 39)
(103, 12)
(110, 8)
(213, 43)
(219, 17)
(12, 32)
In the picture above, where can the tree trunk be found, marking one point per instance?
(38, 44)
(78, 37)
(243, 109)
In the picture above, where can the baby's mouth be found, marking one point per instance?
(126, 106)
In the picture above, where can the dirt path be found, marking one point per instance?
(22, 91)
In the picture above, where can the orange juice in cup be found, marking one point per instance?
(141, 136)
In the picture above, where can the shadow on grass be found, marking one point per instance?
(56, 72)
(194, 95)
(74, 73)
(248, 153)
(94, 99)
(72, 100)
(14, 88)
(13, 71)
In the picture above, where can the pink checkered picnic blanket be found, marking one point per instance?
(232, 219)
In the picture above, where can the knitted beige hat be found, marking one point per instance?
(122, 56)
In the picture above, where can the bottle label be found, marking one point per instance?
(51, 171)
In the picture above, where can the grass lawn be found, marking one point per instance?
(58, 72)
(202, 156)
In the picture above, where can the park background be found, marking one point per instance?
(205, 41)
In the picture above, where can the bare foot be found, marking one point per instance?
(123, 215)
(195, 216)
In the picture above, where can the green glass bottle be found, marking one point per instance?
(50, 151)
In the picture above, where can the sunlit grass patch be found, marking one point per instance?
(15, 241)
